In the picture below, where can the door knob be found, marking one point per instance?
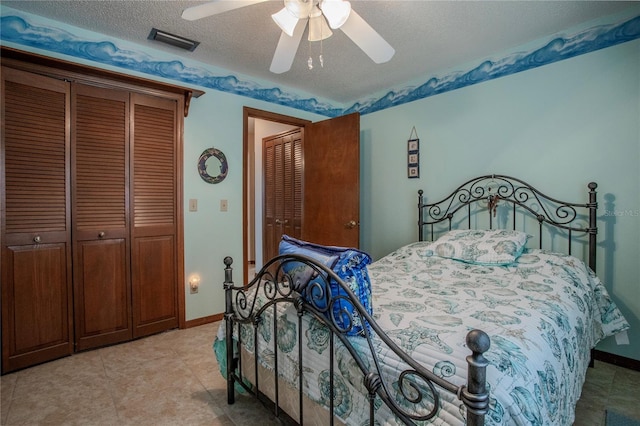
(37, 239)
(282, 222)
(351, 224)
(101, 234)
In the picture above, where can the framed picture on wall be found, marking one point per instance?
(413, 158)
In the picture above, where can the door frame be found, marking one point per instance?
(253, 113)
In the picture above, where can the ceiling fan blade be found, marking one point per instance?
(214, 7)
(367, 38)
(287, 48)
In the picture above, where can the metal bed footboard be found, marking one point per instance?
(311, 294)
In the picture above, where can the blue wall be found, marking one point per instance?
(557, 125)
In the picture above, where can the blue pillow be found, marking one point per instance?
(349, 264)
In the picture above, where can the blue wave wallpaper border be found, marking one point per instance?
(557, 49)
(18, 30)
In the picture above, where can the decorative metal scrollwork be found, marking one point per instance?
(494, 189)
(410, 394)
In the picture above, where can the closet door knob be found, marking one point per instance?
(351, 224)
(101, 235)
(37, 239)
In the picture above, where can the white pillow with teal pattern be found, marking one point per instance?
(486, 247)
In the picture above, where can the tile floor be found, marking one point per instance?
(172, 379)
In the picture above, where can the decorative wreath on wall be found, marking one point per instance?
(202, 165)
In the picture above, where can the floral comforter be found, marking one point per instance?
(543, 315)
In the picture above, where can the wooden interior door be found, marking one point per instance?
(332, 182)
(283, 174)
(35, 225)
(100, 167)
(156, 208)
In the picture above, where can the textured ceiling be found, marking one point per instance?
(429, 37)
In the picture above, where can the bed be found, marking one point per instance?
(489, 318)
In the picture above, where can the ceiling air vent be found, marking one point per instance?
(173, 40)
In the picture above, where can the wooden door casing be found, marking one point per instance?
(37, 322)
(100, 176)
(250, 114)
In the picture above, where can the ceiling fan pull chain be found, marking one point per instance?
(320, 57)
(310, 60)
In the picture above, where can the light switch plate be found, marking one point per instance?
(193, 204)
(224, 206)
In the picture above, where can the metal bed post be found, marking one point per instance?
(593, 233)
(593, 226)
(420, 216)
(228, 317)
(476, 397)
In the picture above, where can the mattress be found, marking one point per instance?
(543, 314)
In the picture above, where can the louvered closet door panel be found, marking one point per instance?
(35, 224)
(155, 157)
(100, 167)
(283, 185)
(298, 184)
(36, 151)
(269, 238)
(287, 186)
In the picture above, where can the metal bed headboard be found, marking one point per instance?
(490, 190)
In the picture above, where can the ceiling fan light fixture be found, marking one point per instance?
(286, 21)
(299, 8)
(318, 28)
(336, 11)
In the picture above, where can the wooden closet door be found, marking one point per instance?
(156, 205)
(283, 189)
(35, 228)
(100, 165)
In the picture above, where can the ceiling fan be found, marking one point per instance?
(320, 15)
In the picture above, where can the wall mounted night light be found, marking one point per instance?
(194, 283)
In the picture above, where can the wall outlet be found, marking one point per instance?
(224, 206)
